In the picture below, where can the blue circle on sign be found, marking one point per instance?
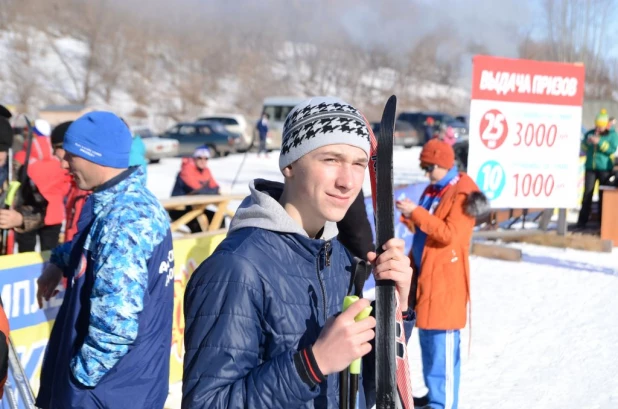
(491, 179)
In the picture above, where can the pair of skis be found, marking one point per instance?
(393, 386)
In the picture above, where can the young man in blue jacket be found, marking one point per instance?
(110, 344)
(263, 327)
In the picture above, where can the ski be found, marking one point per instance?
(393, 387)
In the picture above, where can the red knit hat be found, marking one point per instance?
(437, 152)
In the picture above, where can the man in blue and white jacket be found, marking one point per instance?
(263, 327)
(110, 345)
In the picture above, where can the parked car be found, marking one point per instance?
(405, 135)
(235, 123)
(418, 119)
(465, 119)
(157, 148)
(191, 135)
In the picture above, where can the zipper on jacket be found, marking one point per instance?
(327, 253)
(320, 280)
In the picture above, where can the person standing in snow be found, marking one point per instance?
(263, 327)
(442, 223)
(110, 344)
(262, 128)
(39, 207)
(76, 197)
(6, 142)
(138, 153)
(429, 126)
(600, 145)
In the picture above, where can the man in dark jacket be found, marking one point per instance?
(262, 322)
(6, 142)
(262, 128)
(39, 206)
(76, 197)
(110, 344)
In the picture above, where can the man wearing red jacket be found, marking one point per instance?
(39, 210)
(76, 197)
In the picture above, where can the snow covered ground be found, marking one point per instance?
(543, 331)
(161, 176)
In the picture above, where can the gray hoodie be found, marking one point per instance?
(262, 209)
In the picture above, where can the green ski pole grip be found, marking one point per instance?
(355, 366)
(11, 193)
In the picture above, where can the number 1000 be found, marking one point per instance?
(536, 185)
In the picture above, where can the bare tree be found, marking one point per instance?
(577, 31)
(23, 72)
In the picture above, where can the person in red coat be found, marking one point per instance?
(76, 197)
(39, 209)
(442, 222)
(195, 178)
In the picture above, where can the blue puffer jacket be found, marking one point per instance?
(264, 294)
(110, 345)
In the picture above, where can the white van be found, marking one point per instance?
(278, 109)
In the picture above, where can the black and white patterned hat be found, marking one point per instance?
(318, 122)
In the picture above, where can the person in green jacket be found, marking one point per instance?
(600, 145)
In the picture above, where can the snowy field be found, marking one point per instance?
(543, 331)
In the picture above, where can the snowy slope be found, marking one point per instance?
(161, 176)
(543, 330)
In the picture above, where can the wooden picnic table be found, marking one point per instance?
(199, 203)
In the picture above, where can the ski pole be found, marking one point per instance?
(19, 375)
(344, 378)
(239, 168)
(9, 395)
(8, 204)
(355, 366)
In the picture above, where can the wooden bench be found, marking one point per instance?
(198, 204)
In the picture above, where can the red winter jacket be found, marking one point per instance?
(75, 202)
(192, 181)
(46, 172)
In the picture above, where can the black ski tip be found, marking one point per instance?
(392, 100)
(388, 118)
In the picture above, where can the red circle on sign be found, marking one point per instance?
(494, 129)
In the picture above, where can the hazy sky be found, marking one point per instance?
(395, 25)
(371, 23)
